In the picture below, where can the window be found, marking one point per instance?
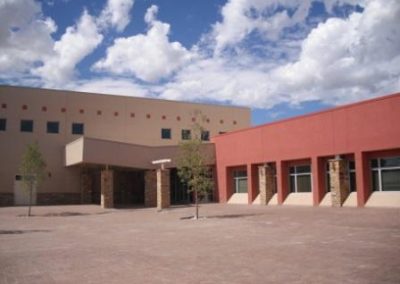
(386, 174)
(205, 135)
(26, 125)
(78, 128)
(3, 124)
(186, 134)
(300, 178)
(240, 181)
(166, 133)
(52, 127)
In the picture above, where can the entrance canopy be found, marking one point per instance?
(86, 150)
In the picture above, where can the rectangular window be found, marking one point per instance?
(166, 133)
(205, 135)
(386, 174)
(240, 181)
(53, 127)
(78, 128)
(186, 134)
(3, 124)
(300, 178)
(26, 125)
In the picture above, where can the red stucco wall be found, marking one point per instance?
(359, 128)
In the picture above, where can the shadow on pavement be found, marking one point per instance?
(65, 214)
(15, 232)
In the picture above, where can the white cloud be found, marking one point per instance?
(340, 60)
(112, 86)
(242, 17)
(149, 56)
(116, 13)
(75, 44)
(25, 37)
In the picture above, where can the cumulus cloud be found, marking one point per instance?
(75, 44)
(242, 17)
(25, 36)
(116, 14)
(113, 86)
(149, 56)
(340, 60)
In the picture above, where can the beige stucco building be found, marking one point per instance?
(89, 140)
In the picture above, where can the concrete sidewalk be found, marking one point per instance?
(234, 244)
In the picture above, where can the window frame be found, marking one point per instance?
(186, 134)
(23, 125)
(379, 169)
(165, 131)
(76, 124)
(3, 124)
(295, 175)
(50, 124)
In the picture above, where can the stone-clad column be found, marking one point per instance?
(107, 189)
(150, 189)
(266, 180)
(340, 187)
(86, 187)
(163, 189)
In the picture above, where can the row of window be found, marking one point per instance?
(385, 176)
(53, 127)
(116, 113)
(166, 133)
(77, 128)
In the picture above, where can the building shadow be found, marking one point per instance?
(18, 232)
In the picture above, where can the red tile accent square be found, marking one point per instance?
(132, 114)
(221, 121)
(193, 119)
(178, 118)
(44, 108)
(148, 116)
(208, 120)
(63, 109)
(24, 107)
(116, 113)
(3, 105)
(99, 112)
(164, 117)
(81, 111)
(234, 122)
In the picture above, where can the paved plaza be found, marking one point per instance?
(232, 244)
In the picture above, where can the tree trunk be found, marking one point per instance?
(30, 198)
(196, 199)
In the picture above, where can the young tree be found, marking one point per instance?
(32, 169)
(191, 165)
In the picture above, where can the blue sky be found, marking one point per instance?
(281, 58)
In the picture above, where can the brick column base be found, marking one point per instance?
(150, 189)
(107, 189)
(266, 181)
(340, 187)
(163, 189)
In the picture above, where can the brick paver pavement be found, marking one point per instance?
(234, 244)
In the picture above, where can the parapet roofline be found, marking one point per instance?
(345, 106)
(126, 96)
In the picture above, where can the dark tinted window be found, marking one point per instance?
(78, 128)
(166, 133)
(205, 135)
(3, 124)
(390, 162)
(52, 127)
(26, 125)
(186, 135)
